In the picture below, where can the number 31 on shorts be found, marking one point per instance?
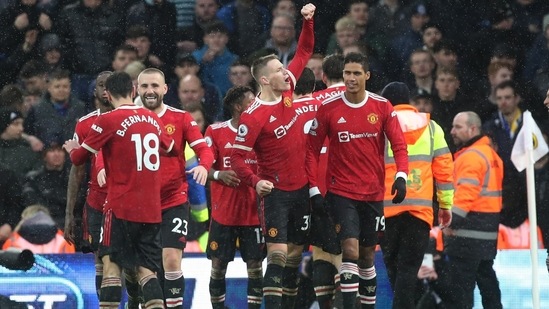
(380, 224)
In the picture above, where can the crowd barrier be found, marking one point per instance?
(68, 281)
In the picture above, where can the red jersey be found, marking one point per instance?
(275, 131)
(234, 206)
(329, 92)
(356, 134)
(323, 159)
(129, 137)
(182, 128)
(96, 194)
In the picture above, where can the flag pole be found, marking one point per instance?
(531, 194)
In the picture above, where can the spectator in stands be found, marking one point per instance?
(55, 116)
(422, 67)
(410, 40)
(448, 100)
(89, 32)
(498, 72)
(159, 16)
(50, 51)
(10, 202)
(34, 77)
(247, 23)
(503, 127)
(37, 232)
(346, 33)
(22, 23)
(241, 75)
(315, 64)
(482, 43)
(16, 153)
(536, 65)
(123, 55)
(386, 18)
(283, 38)
(140, 38)
(422, 101)
(430, 34)
(204, 13)
(47, 185)
(192, 93)
(214, 58)
(186, 65)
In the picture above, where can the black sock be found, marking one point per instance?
(323, 281)
(368, 287)
(132, 289)
(217, 288)
(272, 286)
(174, 289)
(98, 278)
(255, 287)
(152, 292)
(349, 282)
(111, 293)
(289, 282)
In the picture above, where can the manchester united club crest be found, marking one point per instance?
(287, 102)
(372, 118)
(214, 245)
(170, 129)
(337, 228)
(273, 232)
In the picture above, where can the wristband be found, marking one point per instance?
(216, 175)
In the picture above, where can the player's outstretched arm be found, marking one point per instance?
(306, 42)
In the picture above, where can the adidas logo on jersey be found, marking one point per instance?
(228, 145)
(273, 118)
(342, 120)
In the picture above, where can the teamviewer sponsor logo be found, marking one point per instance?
(280, 132)
(344, 137)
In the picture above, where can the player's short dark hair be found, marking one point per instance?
(137, 31)
(119, 85)
(507, 84)
(306, 82)
(357, 58)
(33, 68)
(234, 96)
(11, 95)
(260, 63)
(58, 74)
(215, 26)
(332, 66)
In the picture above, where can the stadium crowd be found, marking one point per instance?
(207, 58)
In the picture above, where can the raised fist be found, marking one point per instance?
(308, 11)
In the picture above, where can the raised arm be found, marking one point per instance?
(305, 44)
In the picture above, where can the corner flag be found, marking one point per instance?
(529, 139)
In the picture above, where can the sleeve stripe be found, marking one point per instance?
(198, 141)
(88, 148)
(241, 147)
(294, 81)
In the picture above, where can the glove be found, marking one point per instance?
(317, 203)
(399, 186)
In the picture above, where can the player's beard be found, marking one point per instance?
(153, 102)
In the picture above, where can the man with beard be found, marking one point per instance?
(93, 208)
(175, 206)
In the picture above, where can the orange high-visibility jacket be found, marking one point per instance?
(478, 177)
(429, 160)
(57, 245)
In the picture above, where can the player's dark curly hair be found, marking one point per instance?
(119, 85)
(357, 58)
(234, 96)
